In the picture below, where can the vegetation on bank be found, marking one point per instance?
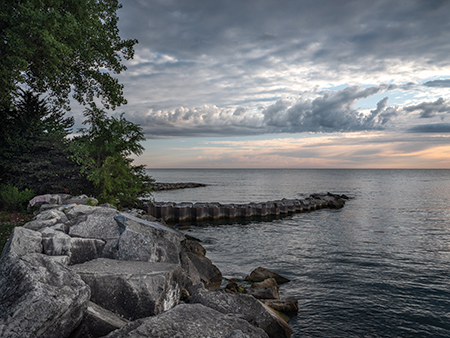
(49, 51)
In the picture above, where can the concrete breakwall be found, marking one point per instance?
(194, 212)
(158, 186)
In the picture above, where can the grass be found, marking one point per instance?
(9, 220)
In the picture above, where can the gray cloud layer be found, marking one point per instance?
(209, 68)
(328, 112)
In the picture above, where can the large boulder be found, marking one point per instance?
(198, 266)
(46, 219)
(39, 297)
(92, 222)
(79, 250)
(23, 241)
(132, 289)
(142, 240)
(246, 307)
(98, 322)
(187, 321)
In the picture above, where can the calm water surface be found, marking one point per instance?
(379, 267)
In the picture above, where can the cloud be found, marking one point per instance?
(431, 128)
(245, 53)
(438, 83)
(430, 109)
(330, 112)
(321, 112)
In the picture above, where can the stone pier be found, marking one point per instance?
(197, 212)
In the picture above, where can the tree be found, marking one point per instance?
(34, 149)
(103, 151)
(55, 46)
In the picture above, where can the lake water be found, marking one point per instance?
(379, 267)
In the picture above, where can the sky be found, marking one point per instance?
(289, 84)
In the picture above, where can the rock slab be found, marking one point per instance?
(187, 321)
(39, 297)
(132, 289)
(142, 240)
(246, 307)
(23, 241)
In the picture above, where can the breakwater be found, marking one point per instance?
(194, 212)
(159, 186)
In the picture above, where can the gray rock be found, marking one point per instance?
(260, 274)
(187, 321)
(132, 289)
(198, 266)
(39, 297)
(237, 334)
(46, 219)
(79, 250)
(209, 274)
(54, 200)
(64, 227)
(73, 211)
(92, 222)
(246, 307)
(264, 283)
(64, 260)
(287, 305)
(98, 322)
(266, 292)
(82, 199)
(23, 241)
(46, 207)
(107, 205)
(142, 240)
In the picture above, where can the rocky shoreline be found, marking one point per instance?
(91, 271)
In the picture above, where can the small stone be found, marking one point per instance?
(268, 292)
(260, 274)
(286, 305)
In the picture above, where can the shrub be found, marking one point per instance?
(11, 199)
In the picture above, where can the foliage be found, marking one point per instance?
(103, 151)
(34, 152)
(11, 199)
(55, 46)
